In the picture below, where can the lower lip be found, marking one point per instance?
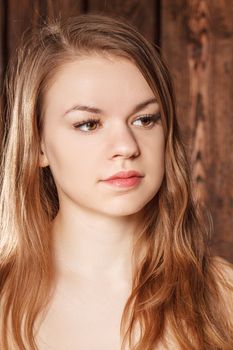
(129, 182)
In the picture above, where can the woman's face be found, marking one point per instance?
(82, 156)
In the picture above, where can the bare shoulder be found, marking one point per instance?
(224, 269)
(224, 278)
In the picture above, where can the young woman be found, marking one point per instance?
(102, 244)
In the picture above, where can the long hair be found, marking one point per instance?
(175, 282)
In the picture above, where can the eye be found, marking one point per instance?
(149, 120)
(89, 123)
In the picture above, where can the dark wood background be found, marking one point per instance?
(196, 41)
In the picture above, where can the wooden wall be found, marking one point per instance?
(196, 41)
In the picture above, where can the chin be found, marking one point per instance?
(123, 210)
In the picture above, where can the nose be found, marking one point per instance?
(122, 142)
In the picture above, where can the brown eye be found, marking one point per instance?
(149, 120)
(88, 125)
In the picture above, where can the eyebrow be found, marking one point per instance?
(95, 110)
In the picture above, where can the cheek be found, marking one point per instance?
(160, 154)
(157, 158)
(154, 147)
(70, 159)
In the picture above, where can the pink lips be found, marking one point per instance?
(124, 179)
(125, 175)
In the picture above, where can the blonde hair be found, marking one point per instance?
(175, 283)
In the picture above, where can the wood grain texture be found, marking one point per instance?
(31, 13)
(197, 44)
(143, 15)
(19, 18)
(61, 8)
(2, 42)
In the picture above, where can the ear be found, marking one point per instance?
(43, 162)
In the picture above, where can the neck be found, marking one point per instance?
(94, 246)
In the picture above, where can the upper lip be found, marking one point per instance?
(125, 175)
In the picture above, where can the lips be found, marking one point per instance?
(125, 175)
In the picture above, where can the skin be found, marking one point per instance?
(94, 228)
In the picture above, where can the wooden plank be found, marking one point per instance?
(19, 18)
(2, 42)
(2, 67)
(30, 13)
(64, 8)
(220, 186)
(144, 17)
(197, 44)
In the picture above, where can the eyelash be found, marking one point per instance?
(151, 117)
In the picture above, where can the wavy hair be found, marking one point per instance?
(175, 284)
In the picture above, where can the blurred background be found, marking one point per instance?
(195, 37)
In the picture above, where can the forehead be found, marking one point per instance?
(102, 81)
